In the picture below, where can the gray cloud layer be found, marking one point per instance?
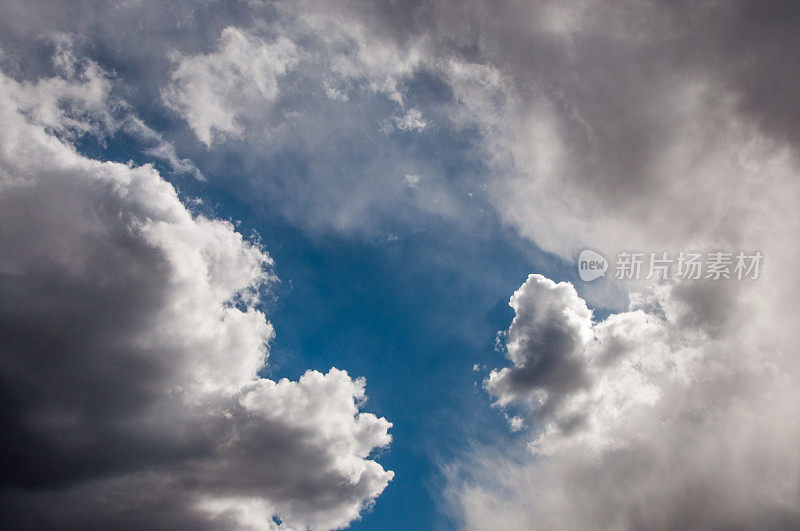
(585, 110)
(641, 126)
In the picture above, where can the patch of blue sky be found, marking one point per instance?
(414, 305)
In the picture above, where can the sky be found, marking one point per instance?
(324, 265)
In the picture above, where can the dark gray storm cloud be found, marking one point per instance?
(131, 344)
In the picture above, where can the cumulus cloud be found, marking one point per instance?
(132, 340)
(626, 131)
(576, 378)
(639, 420)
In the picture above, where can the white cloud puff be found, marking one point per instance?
(411, 120)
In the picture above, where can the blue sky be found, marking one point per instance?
(373, 307)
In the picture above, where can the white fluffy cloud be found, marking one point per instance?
(132, 342)
(676, 413)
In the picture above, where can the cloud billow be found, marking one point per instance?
(650, 418)
(131, 342)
